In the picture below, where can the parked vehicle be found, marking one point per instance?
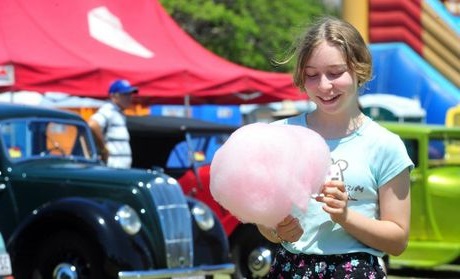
(435, 194)
(65, 215)
(5, 262)
(184, 148)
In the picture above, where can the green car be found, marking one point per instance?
(65, 215)
(435, 194)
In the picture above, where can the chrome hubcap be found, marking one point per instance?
(65, 271)
(259, 262)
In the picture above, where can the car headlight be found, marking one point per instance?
(128, 219)
(203, 216)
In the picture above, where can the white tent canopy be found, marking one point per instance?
(401, 107)
(49, 99)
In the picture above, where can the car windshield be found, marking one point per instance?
(444, 150)
(198, 149)
(33, 138)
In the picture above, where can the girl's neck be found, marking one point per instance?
(335, 126)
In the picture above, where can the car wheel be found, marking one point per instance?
(68, 255)
(251, 253)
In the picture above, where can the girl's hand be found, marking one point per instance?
(289, 229)
(335, 199)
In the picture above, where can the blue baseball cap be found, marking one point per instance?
(122, 86)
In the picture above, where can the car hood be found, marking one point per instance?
(81, 172)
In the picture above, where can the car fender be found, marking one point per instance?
(189, 181)
(93, 218)
(205, 242)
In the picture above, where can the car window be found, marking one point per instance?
(200, 148)
(412, 147)
(436, 150)
(445, 151)
(40, 138)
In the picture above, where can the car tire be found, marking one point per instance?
(68, 249)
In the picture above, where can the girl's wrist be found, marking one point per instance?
(275, 236)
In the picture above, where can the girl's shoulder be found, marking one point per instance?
(374, 128)
(379, 135)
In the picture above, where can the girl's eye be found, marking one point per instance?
(336, 73)
(311, 75)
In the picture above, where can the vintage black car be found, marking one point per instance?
(184, 148)
(65, 215)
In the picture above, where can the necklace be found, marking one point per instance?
(355, 124)
(335, 132)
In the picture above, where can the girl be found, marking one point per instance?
(363, 211)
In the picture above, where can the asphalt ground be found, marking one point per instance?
(444, 272)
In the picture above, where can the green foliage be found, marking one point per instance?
(247, 32)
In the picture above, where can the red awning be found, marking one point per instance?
(79, 47)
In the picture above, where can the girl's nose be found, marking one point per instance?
(324, 83)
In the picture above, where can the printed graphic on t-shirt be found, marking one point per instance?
(336, 173)
(336, 170)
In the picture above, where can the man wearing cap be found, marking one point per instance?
(108, 125)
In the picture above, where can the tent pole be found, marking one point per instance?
(188, 111)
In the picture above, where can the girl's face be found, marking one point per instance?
(329, 82)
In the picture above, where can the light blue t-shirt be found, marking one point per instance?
(365, 161)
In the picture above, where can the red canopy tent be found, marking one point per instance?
(79, 47)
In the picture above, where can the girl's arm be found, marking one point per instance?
(391, 232)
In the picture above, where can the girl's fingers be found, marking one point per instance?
(289, 229)
(335, 199)
(335, 190)
(286, 220)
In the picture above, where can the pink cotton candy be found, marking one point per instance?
(262, 170)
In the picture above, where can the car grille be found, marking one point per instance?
(175, 220)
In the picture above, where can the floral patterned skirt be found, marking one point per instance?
(301, 266)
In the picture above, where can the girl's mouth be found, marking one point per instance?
(328, 100)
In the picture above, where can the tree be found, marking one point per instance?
(250, 33)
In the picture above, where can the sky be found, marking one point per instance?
(334, 3)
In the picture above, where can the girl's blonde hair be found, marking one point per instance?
(340, 34)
